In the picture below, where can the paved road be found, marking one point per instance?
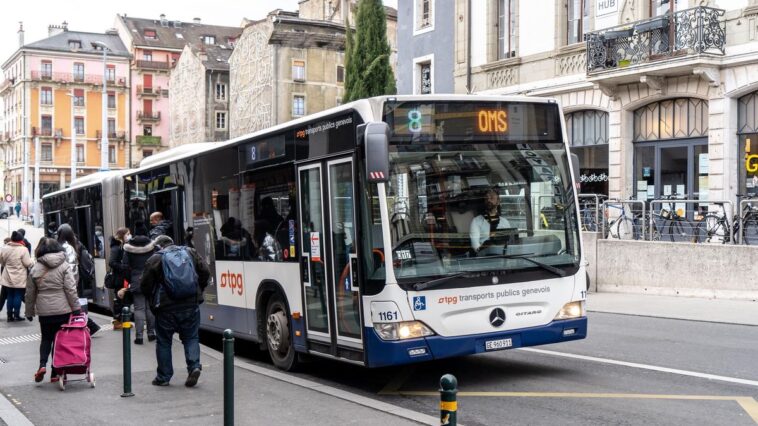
(631, 370)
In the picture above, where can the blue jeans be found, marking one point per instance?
(14, 301)
(186, 322)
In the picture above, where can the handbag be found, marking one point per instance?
(108, 281)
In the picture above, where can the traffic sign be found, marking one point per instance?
(8, 198)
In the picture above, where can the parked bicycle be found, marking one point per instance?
(675, 223)
(716, 228)
(589, 213)
(626, 226)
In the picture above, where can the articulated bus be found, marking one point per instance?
(386, 231)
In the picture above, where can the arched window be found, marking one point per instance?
(671, 119)
(587, 127)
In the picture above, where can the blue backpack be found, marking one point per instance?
(180, 280)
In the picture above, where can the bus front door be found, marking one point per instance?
(170, 202)
(329, 259)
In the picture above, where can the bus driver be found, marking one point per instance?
(483, 227)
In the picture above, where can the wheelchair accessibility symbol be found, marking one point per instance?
(419, 303)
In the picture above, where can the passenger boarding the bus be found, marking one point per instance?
(483, 227)
(159, 226)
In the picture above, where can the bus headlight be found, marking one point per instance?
(571, 310)
(402, 330)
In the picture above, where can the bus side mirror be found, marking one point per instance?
(377, 140)
(575, 168)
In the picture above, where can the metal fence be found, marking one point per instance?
(747, 233)
(590, 212)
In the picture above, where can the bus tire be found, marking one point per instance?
(278, 334)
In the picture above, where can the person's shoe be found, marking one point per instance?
(192, 378)
(54, 379)
(117, 325)
(138, 341)
(151, 337)
(96, 329)
(157, 382)
(11, 318)
(40, 374)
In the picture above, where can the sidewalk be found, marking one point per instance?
(262, 396)
(686, 308)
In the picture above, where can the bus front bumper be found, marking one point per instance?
(382, 353)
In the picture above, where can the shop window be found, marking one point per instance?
(747, 130)
(588, 137)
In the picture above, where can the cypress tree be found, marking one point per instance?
(368, 64)
(349, 63)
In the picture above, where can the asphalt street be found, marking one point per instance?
(629, 371)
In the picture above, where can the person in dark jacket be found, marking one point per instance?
(175, 316)
(136, 252)
(28, 245)
(159, 226)
(118, 270)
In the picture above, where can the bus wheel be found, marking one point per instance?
(278, 339)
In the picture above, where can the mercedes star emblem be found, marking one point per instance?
(497, 317)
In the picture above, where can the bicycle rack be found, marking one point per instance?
(597, 205)
(608, 202)
(728, 210)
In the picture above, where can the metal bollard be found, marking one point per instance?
(448, 400)
(228, 378)
(127, 348)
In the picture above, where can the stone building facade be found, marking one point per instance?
(659, 97)
(199, 103)
(291, 64)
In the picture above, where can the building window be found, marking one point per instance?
(424, 15)
(662, 7)
(298, 105)
(220, 120)
(147, 130)
(588, 137)
(110, 73)
(78, 71)
(147, 153)
(74, 44)
(46, 96)
(220, 92)
(506, 25)
(79, 97)
(47, 125)
(79, 125)
(111, 154)
(209, 39)
(425, 78)
(340, 74)
(147, 55)
(111, 127)
(46, 152)
(111, 100)
(47, 70)
(150, 35)
(578, 20)
(79, 153)
(298, 70)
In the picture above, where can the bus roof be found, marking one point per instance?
(89, 180)
(366, 107)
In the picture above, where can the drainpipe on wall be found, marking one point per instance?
(468, 48)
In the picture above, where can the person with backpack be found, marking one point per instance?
(15, 261)
(136, 253)
(82, 266)
(174, 280)
(51, 296)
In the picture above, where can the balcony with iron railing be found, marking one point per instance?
(143, 91)
(148, 140)
(47, 132)
(148, 116)
(113, 136)
(153, 65)
(65, 77)
(692, 34)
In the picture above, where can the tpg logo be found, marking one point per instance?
(233, 281)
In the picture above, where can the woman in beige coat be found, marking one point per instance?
(51, 295)
(15, 260)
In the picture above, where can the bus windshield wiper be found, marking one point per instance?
(436, 283)
(525, 256)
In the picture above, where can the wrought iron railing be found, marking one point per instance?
(149, 116)
(148, 140)
(65, 77)
(148, 91)
(155, 65)
(694, 31)
(112, 135)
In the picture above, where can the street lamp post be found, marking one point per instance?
(104, 132)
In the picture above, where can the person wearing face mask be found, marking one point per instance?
(483, 227)
(118, 271)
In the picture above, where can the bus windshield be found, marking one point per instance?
(466, 208)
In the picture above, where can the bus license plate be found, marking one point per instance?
(495, 345)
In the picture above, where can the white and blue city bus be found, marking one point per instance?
(386, 231)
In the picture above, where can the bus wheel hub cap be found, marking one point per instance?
(277, 330)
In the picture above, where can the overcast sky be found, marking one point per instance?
(97, 16)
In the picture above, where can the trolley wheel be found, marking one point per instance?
(91, 379)
(61, 383)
